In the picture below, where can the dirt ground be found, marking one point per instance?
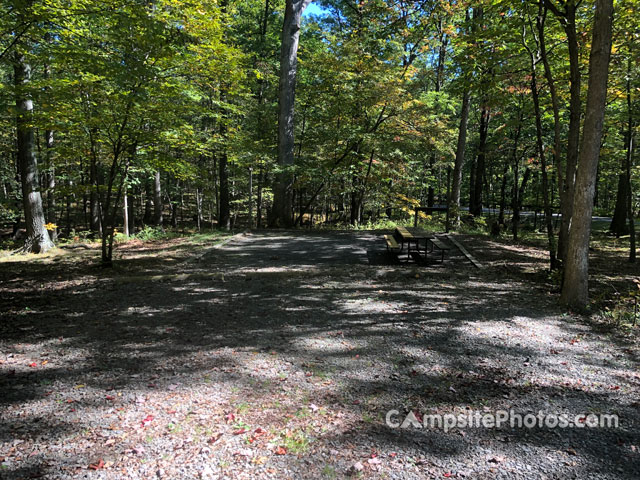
(279, 354)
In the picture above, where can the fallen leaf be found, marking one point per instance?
(280, 451)
(97, 466)
(147, 420)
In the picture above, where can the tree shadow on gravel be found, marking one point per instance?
(384, 337)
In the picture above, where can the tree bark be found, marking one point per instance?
(442, 51)
(535, 57)
(454, 201)
(157, 200)
(555, 105)
(125, 212)
(94, 207)
(282, 201)
(38, 240)
(516, 202)
(619, 225)
(575, 287)
(568, 20)
(224, 216)
(629, 161)
(476, 207)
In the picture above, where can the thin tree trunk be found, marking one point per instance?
(94, 210)
(50, 169)
(224, 218)
(518, 194)
(259, 198)
(535, 57)
(503, 193)
(442, 51)
(198, 209)
(575, 287)
(629, 161)
(125, 212)
(157, 199)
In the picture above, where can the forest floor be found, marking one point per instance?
(279, 354)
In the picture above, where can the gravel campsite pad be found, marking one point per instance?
(279, 354)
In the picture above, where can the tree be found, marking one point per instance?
(37, 240)
(282, 201)
(575, 286)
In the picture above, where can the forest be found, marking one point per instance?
(120, 116)
(211, 152)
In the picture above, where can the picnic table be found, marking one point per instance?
(401, 237)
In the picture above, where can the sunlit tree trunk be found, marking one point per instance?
(282, 201)
(575, 287)
(567, 18)
(38, 240)
(157, 199)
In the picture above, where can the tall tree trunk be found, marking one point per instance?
(442, 51)
(132, 215)
(51, 183)
(157, 200)
(224, 216)
(38, 240)
(198, 209)
(516, 202)
(259, 198)
(503, 193)
(575, 287)
(94, 207)
(629, 161)
(568, 20)
(480, 162)
(619, 225)
(50, 169)
(454, 201)
(535, 57)
(555, 104)
(147, 217)
(125, 212)
(282, 199)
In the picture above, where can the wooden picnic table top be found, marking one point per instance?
(408, 235)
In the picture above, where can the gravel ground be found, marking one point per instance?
(279, 355)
